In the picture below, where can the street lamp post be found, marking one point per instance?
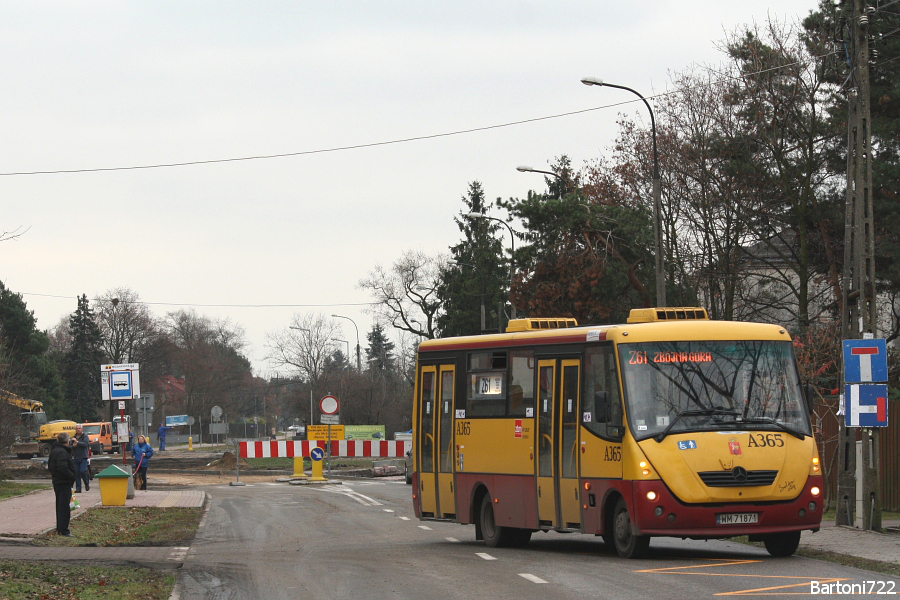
(527, 169)
(512, 251)
(358, 364)
(657, 202)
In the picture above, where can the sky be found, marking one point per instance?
(113, 89)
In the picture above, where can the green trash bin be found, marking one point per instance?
(113, 485)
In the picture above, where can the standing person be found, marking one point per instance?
(161, 434)
(141, 452)
(81, 446)
(62, 469)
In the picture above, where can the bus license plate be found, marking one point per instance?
(737, 518)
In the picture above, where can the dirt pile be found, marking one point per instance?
(228, 462)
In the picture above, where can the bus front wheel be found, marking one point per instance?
(628, 545)
(782, 544)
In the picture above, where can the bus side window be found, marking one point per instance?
(602, 410)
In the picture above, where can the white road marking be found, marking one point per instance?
(341, 490)
(532, 578)
(425, 527)
(404, 518)
(452, 540)
(388, 510)
(485, 556)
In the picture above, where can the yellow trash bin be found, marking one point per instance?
(113, 485)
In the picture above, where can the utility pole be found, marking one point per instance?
(858, 483)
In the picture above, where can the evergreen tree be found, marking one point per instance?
(82, 364)
(478, 275)
(380, 352)
(26, 368)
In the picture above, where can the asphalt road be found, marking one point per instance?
(361, 540)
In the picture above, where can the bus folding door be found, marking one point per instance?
(426, 461)
(444, 415)
(557, 454)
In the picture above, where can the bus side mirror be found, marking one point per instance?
(601, 406)
(809, 394)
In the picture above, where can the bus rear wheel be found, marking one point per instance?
(782, 544)
(496, 536)
(628, 545)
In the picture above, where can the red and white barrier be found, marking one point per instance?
(339, 448)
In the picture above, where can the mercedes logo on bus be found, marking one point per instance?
(739, 474)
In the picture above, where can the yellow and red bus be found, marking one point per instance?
(668, 425)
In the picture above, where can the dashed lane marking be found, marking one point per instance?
(425, 527)
(532, 578)
(404, 518)
(454, 540)
(485, 556)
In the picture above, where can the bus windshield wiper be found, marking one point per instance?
(704, 412)
(770, 421)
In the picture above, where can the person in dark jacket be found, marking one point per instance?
(62, 469)
(141, 452)
(81, 446)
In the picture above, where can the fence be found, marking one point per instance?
(826, 423)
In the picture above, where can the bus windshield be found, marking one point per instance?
(673, 387)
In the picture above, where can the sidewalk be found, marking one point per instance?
(24, 517)
(841, 539)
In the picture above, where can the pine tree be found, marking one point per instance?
(82, 364)
(479, 275)
(380, 353)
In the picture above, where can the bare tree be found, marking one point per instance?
(6, 236)
(406, 295)
(127, 324)
(304, 346)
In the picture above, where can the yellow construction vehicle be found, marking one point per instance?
(36, 434)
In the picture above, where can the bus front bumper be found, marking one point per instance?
(665, 515)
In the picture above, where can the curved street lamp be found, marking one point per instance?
(657, 202)
(512, 251)
(358, 367)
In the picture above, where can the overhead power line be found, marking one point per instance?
(195, 305)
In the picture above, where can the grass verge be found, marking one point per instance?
(20, 579)
(8, 489)
(129, 526)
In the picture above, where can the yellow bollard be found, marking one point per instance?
(298, 468)
(317, 471)
(316, 456)
(191, 443)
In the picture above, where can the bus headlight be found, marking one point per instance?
(814, 490)
(651, 496)
(815, 464)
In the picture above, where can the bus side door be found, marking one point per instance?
(545, 463)
(569, 448)
(426, 447)
(558, 448)
(444, 414)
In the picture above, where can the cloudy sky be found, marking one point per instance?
(101, 86)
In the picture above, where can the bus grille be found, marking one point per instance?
(737, 477)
